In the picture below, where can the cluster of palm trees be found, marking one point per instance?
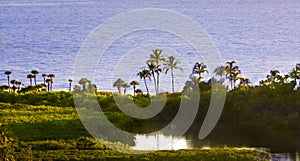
(157, 64)
(275, 78)
(17, 85)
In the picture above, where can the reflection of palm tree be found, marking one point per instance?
(51, 76)
(118, 83)
(30, 76)
(34, 73)
(44, 76)
(143, 75)
(70, 84)
(125, 86)
(8, 73)
(171, 64)
(134, 83)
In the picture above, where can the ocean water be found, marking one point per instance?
(47, 35)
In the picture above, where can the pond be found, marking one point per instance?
(168, 142)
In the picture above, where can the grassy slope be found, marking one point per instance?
(56, 133)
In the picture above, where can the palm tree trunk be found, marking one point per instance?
(157, 85)
(146, 87)
(30, 81)
(119, 89)
(8, 82)
(48, 87)
(70, 86)
(44, 80)
(172, 75)
(134, 90)
(154, 79)
(34, 79)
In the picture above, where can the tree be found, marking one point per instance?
(49, 81)
(153, 64)
(8, 73)
(232, 73)
(143, 75)
(171, 64)
(220, 71)
(198, 69)
(295, 74)
(134, 83)
(70, 84)
(125, 86)
(34, 73)
(244, 81)
(84, 82)
(152, 69)
(44, 75)
(30, 76)
(118, 83)
(51, 76)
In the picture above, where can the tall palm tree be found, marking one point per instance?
(155, 58)
(34, 73)
(44, 75)
(198, 69)
(295, 74)
(30, 76)
(143, 75)
(171, 64)
(232, 72)
(70, 83)
(125, 86)
(134, 83)
(51, 76)
(8, 73)
(118, 83)
(48, 81)
(152, 68)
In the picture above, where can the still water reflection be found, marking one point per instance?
(169, 142)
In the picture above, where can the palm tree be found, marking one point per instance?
(8, 73)
(44, 75)
(232, 72)
(198, 69)
(49, 81)
(143, 75)
(19, 84)
(125, 86)
(171, 64)
(295, 74)
(152, 68)
(244, 81)
(84, 82)
(70, 84)
(220, 71)
(118, 83)
(273, 77)
(51, 76)
(153, 64)
(30, 76)
(34, 73)
(134, 83)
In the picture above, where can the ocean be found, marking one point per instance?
(47, 35)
